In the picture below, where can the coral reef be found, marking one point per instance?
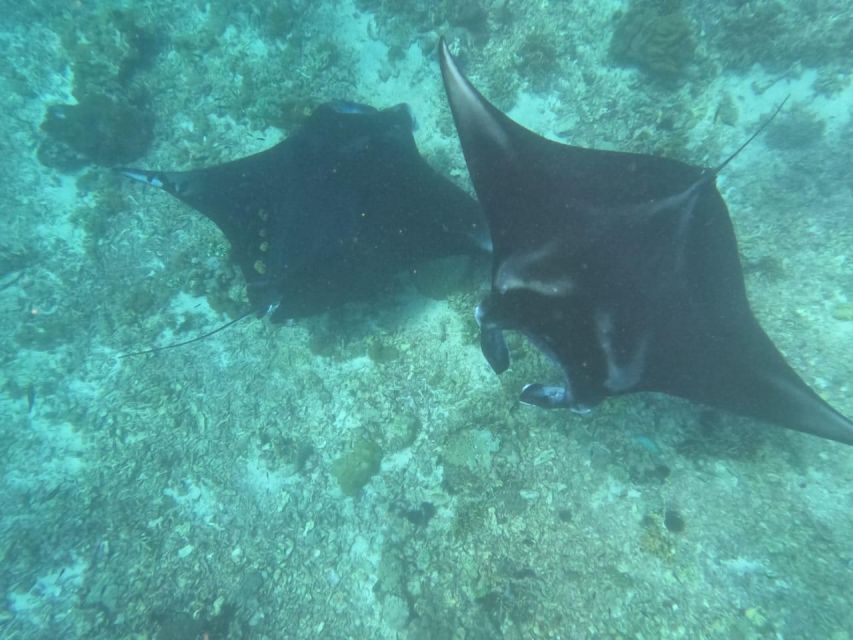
(97, 129)
(110, 123)
(229, 465)
(654, 35)
(797, 128)
(538, 59)
(779, 35)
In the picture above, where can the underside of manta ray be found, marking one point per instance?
(333, 212)
(624, 269)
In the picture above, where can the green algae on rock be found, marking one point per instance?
(843, 312)
(381, 351)
(354, 469)
(655, 36)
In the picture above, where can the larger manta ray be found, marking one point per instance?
(624, 269)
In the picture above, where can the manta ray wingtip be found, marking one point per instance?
(828, 423)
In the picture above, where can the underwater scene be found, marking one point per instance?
(245, 390)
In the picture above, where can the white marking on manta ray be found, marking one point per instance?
(519, 272)
(619, 377)
(478, 315)
(154, 181)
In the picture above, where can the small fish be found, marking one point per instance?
(352, 108)
(647, 443)
(31, 398)
(12, 282)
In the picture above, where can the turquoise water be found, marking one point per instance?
(363, 473)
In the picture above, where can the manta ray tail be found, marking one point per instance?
(757, 133)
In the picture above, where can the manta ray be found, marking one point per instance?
(333, 212)
(623, 268)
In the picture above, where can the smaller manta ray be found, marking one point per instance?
(624, 269)
(330, 214)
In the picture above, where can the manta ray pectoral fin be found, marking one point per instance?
(494, 348)
(543, 396)
(492, 342)
(551, 397)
